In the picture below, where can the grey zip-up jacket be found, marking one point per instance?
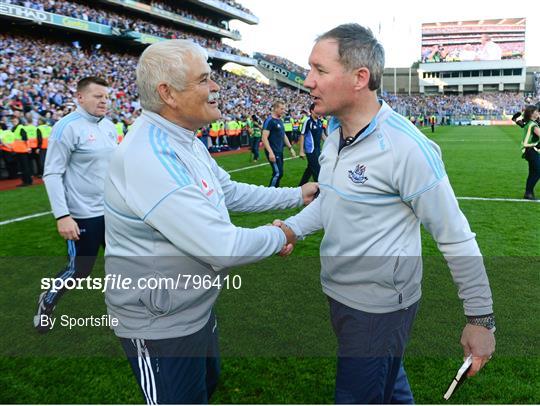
(76, 164)
(374, 195)
(166, 217)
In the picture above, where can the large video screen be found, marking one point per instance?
(479, 40)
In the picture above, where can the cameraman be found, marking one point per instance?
(518, 117)
(530, 146)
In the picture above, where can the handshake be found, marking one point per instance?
(309, 192)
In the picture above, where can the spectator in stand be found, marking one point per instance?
(124, 21)
(285, 63)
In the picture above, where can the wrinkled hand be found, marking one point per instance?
(480, 342)
(309, 190)
(68, 228)
(289, 246)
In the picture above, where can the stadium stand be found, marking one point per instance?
(492, 105)
(285, 63)
(123, 21)
(38, 72)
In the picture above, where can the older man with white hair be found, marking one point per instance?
(168, 228)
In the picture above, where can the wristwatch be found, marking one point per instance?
(487, 321)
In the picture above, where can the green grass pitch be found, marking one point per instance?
(276, 338)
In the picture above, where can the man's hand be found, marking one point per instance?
(480, 342)
(293, 152)
(302, 154)
(272, 157)
(309, 190)
(289, 246)
(68, 228)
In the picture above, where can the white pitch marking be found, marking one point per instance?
(499, 199)
(254, 166)
(488, 199)
(31, 216)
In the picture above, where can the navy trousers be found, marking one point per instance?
(370, 355)
(82, 254)
(182, 370)
(277, 169)
(313, 168)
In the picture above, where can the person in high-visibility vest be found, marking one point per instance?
(119, 125)
(222, 137)
(255, 132)
(31, 133)
(22, 149)
(432, 122)
(214, 133)
(288, 126)
(43, 134)
(530, 147)
(7, 138)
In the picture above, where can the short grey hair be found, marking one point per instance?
(164, 62)
(358, 48)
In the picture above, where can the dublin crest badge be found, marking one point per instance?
(358, 174)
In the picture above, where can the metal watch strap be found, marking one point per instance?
(487, 321)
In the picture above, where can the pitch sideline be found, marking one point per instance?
(489, 199)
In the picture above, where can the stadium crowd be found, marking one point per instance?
(38, 84)
(122, 21)
(173, 7)
(486, 104)
(285, 63)
(234, 4)
(41, 80)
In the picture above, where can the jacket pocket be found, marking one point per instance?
(157, 301)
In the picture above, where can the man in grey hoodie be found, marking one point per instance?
(380, 179)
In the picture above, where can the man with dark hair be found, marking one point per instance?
(310, 145)
(380, 179)
(274, 138)
(77, 161)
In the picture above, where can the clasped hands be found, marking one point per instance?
(309, 192)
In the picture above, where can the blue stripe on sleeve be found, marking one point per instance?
(172, 159)
(415, 132)
(61, 125)
(161, 156)
(427, 151)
